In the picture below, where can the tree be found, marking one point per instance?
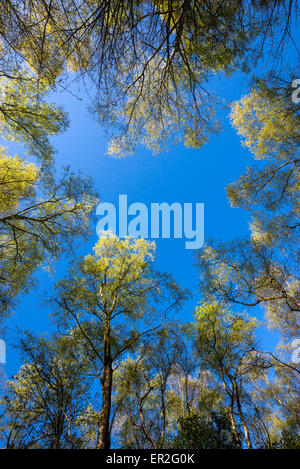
(39, 216)
(276, 396)
(151, 61)
(47, 396)
(25, 117)
(248, 273)
(268, 122)
(145, 396)
(199, 432)
(38, 220)
(167, 398)
(264, 269)
(224, 342)
(111, 298)
(161, 89)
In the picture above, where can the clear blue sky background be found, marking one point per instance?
(180, 175)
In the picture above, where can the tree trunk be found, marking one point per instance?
(103, 441)
(245, 428)
(230, 393)
(103, 429)
(140, 403)
(233, 425)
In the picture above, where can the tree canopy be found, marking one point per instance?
(119, 368)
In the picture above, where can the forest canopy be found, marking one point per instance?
(119, 368)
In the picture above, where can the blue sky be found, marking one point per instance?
(179, 175)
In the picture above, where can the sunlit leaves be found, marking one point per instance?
(249, 274)
(38, 220)
(150, 61)
(268, 123)
(17, 179)
(26, 118)
(45, 400)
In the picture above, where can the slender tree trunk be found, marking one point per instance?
(106, 387)
(164, 416)
(140, 403)
(243, 422)
(230, 393)
(233, 424)
(103, 429)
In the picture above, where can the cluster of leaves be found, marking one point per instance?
(40, 214)
(264, 269)
(40, 219)
(268, 122)
(151, 61)
(47, 399)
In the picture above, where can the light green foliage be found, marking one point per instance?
(161, 92)
(38, 220)
(114, 298)
(160, 88)
(151, 61)
(154, 114)
(31, 33)
(25, 117)
(18, 178)
(116, 282)
(121, 267)
(222, 50)
(225, 343)
(113, 281)
(153, 387)
(250, 274)
(268, 122)
(44, 401)
(224, 338)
